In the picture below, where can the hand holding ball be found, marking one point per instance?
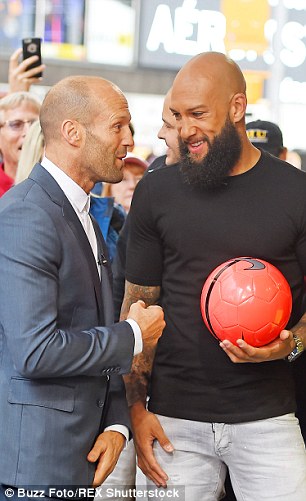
(246, 298)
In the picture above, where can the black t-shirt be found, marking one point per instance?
(118, 265)
(178, 235)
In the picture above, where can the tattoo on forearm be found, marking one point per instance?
(133, 293)
(137, 381)
(136, 387)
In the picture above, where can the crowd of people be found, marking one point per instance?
(105, 359)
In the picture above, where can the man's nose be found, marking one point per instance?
(128, 140)
(186, 130)
(160, 133)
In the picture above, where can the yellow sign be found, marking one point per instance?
(245, 21)
(255, 85)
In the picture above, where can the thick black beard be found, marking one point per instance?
(223, 153)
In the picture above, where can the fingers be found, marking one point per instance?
(284, 335)
(243, 352)
(166, 445)
(32, 72)
(157, 474)
(22, 67)
(141, 303)
(105, 466)
(134, 309)
(15, 58)
(155, 307)
(98, 448)
(155, 469)
(105, 453)
(147, 430)
(150, 320)
(150, 467)
(21, 77)
(21, 72)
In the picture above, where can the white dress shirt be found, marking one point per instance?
(80, 202)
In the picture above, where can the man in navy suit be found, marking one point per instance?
(63, 412)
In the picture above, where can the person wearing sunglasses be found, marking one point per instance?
(17, 112)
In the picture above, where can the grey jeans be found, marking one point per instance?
(266, 459)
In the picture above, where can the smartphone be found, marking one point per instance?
(32, 47)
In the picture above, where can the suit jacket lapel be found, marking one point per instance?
(48, 183)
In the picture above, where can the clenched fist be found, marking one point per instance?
(150, 320)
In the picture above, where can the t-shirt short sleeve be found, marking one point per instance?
(144, 250)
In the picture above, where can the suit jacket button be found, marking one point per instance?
(100, 403)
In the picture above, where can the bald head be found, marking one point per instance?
(75, 98)
(167, 99)
(209, 86)
(223, 73)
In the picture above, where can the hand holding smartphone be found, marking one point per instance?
(31, 46)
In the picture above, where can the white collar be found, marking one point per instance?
(75, 194)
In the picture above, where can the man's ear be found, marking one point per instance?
(72, 132)
(283, 153)
(238, 107)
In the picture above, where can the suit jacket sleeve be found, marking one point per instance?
(40, 278)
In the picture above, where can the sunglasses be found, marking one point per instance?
(18, 125)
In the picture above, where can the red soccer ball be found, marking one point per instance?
(246, 298)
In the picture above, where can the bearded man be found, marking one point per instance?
(216, 406)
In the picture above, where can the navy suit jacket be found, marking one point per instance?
(61, 356)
